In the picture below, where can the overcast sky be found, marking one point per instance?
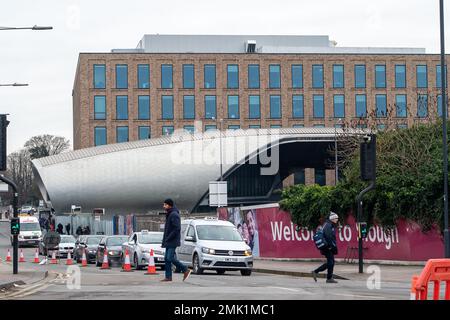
(47, 59)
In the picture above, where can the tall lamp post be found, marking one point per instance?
(14, 85)
(35, 27)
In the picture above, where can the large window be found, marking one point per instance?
(380, 76)
(232, 76)
(318, 106)
(319, 177)
(143, 107)
(275, 107)
(317, 75)
(297, 106)
(100, 107)
(99, 136)
(274, 76)
(121, 76)
(254, 107)
(210, 76)
(339, 105)
(438, 76)
(299, 176)
(421, 76)
(253, 76)
(254, 126)
(144, 133)
(400, 76)
(210, 127)
(297, 76)
(143, 76)
(338, 76)
(210, 107)
(189, 107)
(400, 105)
(360, 76)
(233, 107)
(422, 105)
(99, 76)
(188, 76)
(122, 134)
(234, 127)
(189, 128)
(167, 130)
(167, 107)
(380, 104)
(122, 107)
(166, 76)
(361, 105)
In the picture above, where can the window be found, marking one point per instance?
(298, 126)
(99, 107)
(339, 106)
(210, 127)
(299, 176)
(360, 76)
(381, 127)
(317, 75)
(361, 106)
(421, 76)
(422, 105)
(99, 136)
(338, 76)
(253, 76)
(320, 125)
(143, 76)
(167, 130)
(188, 76)
(232, 76)
(400, 104)
(122, 107)
(380, 104)
(166, 76)
(297, 76)
(319, 177)
(99, 76)
(143, 107)
(380, 76)
(254, 126)
(254, 108)
(122, 134)
(274, 76)
(400, 76)
(233, 107)
(438, 76)
(234, 127)
(439, 105)
(297, 106)
(167, 107)
(190, 129)
(210, 76)
(121, 76)
(275, 126)
(189, 107)
(144, 133)
(318, 106)
(275, 107)
(402, 126)
(210, 107)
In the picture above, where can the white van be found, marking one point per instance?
(30, 231)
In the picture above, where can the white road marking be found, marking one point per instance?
(282, 288)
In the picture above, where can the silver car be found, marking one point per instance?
(139, 245)
(210, 244)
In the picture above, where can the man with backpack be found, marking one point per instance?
(325, 240)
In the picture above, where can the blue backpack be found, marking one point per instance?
(319, 239)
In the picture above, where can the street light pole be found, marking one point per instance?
(35, 27)
(14, 85)
(444, 129)
(221, 128)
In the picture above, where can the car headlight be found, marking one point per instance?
(208, 251)
(113, 253)
(91, 251)
(248, 252)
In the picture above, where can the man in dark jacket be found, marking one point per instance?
(329, 234)
(171, 240)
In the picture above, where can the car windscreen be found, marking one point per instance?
(34, 226)
(151, 238)
(67, 239)
(116, 241)
(93, 240)
(219, 233)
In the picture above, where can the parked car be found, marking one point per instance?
(139, 245)
(66, 245)
(210, 244)
(90, 244)
(113, 246)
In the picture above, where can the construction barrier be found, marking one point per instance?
(436, 271)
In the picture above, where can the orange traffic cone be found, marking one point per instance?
(69, 261)
(36, 257)
(8, 257)
(151, 264)
(53, 261)
(127, 265)
(105, 264)
(83, 259)
(22, 258)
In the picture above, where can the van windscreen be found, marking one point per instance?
(219, 233)
(34, 226)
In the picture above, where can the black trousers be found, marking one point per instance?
(329, 265)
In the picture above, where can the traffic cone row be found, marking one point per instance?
(69, 261)
(105, 264)
(127, 265)
(22, 258)
(36, 257)
(83, 259)
(8, 257)
(151, 264)
(53, 261)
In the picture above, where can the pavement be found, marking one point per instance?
(25, 276)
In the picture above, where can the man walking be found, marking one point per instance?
(329, 235)
(171, 240)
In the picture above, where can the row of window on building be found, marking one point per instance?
(254, 106)
(253, 72)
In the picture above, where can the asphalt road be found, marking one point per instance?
(62, 283)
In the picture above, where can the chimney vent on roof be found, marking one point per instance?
(250, 46)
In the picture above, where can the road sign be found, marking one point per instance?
(218, 193)
(15, 226)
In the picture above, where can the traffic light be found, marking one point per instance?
(362, 230)
(15, 226)
(368, 155)
(3, 124)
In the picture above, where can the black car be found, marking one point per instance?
(113, 246)
(88, 243)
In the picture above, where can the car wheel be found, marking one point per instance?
(196, 265)
(220, 271)
(136, 263)
(246, 272)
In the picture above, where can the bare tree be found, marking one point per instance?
(20, 171)
(46, 145)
